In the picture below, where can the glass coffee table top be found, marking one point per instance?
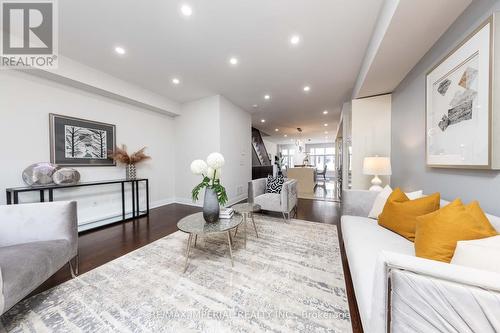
(246, 208)
(196, 224)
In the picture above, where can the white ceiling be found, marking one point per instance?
(161, 44)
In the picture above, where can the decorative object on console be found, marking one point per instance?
(215, 193)
(458, 105)
(80, 142)
(66, 176)
(121, 156)
(377, 166)
(39, 174)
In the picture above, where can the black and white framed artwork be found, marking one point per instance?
(80, 142)
(458, 105)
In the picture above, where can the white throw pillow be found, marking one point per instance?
(379, 203)
(381, 199)
(479, 253)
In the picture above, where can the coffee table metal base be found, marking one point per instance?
(195, 236)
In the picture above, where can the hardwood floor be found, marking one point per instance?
(98, 247)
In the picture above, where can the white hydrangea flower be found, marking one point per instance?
(215, 161)
(199, 167)
(210, 173)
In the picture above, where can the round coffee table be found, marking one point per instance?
(246, 210)
(196, 225)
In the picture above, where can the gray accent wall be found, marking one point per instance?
(408, 126)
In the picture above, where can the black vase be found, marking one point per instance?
(211, 206)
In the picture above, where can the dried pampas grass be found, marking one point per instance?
(120, 155)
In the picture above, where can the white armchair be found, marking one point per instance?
(284, 202)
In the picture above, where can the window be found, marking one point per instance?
(321, 156)
(288, 157)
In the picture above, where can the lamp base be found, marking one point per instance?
(376, 182)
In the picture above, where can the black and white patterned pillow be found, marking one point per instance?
(274, 184)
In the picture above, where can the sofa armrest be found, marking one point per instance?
(416, 294)
(289, 195)
(357, 202)
(39, 222)
(256, 187)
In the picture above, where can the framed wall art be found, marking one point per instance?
(459, 104)
(80, 142)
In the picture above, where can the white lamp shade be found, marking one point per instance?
(380, 166)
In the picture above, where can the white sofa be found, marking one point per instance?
(399, 292)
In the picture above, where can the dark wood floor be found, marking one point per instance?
(103, 245)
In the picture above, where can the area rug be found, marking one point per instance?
(290, 279)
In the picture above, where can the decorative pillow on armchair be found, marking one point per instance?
(274, 184)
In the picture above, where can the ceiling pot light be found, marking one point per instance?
(233, 61)
(262, 120)
(325, 124)
(276, 129)
(120, 50)
(285, 135)
(326, 132)
(295, 39)
(186, 10)
(176, 81)
(267, 97)
(325, 112)
(307, 89)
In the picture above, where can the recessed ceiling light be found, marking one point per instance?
(307, 88)
(295, 39)
(120, 50)
(262, 120)
(176, 81)
(285, 135)
(233, 61)
(325, 112)
(276, 129)
(326, 132)
(267, 97)
(325, 124)
(186, 10)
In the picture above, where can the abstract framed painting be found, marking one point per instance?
(458, 105)
(80, 142)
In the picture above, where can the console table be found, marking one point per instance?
(13, 194)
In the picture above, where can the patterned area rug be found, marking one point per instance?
(290, 279)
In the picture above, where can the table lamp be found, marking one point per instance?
(377, 166)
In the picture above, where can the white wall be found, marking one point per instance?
(272, 148)
(235, 138)
(213, 124)
(197, 134)
(25, 104)
(371, 135)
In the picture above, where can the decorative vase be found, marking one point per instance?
(39, 174)
(131, 171)
(66, 176)
(211, 206)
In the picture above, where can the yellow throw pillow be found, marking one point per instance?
(400, 213)
(437, 233)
